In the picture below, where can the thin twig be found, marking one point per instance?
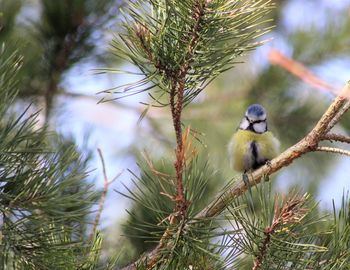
(333, 150)
(340, 113)
(336, 137)
(106, 184)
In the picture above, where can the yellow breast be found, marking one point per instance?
(241, 152)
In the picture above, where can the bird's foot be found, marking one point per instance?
(266, 176)
(249, 195)
(246, 179)
(268, 163)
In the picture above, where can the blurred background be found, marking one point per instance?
(66, 42)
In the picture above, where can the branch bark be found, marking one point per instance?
(177, 79)
(333, 150)
(336, 137)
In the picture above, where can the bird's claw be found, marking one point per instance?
(246, 179)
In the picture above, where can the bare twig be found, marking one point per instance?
(341, 111)
(333, 150)
(336, 137)
(106, 184)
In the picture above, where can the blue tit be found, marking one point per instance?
(252, 145)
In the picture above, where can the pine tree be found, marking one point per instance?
(59, 36)
(180, 47)
(45, 197)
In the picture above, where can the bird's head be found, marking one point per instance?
(254, 119)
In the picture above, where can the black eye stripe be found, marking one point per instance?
(255, 122)
(259, 121)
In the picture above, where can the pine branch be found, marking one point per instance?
(186, 44)
(44, 200)
(177, 91)
(308, 144)
(183, 73)
(291, 212)
(336, 137)
(341, 111)
(332, 150)
(66, 36)
(177, 78)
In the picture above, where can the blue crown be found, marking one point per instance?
(256, 109)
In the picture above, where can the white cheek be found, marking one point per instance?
(259, 127)
(244, 124)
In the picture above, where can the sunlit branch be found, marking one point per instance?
(333, 150)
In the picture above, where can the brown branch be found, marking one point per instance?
(145, 36)
(106, 184)
(58, 65)
(308, 144)
(178, 88)
(333, 150)
(336, 137)
(341, 112)
(177, 79)
(61, 56)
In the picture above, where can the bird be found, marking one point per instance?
(252, 145)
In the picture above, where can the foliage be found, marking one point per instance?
(283, 231)
(44, 198)
(189, 41)
(277, 231)
(62, 34)
(153, 205)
